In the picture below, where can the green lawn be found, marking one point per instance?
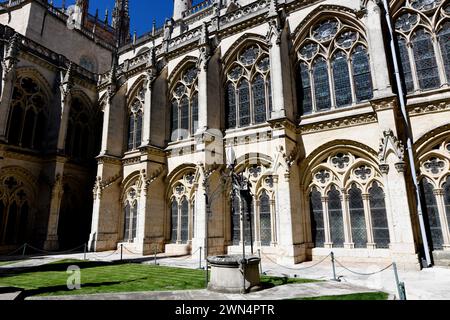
(4, 263)
(100, 277)
(354, 297)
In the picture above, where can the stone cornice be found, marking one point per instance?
(107, 159)
(417, 110)
(338, 123)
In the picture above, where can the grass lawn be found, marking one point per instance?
(355, 296)
(100, 277)
(4, 263)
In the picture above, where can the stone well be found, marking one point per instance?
(227, 275)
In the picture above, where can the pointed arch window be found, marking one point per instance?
(184, 220)
(444, 43)
(432, 215)
(248, 89)
(336, 218)
(14, 212)
(235, 220)
(447, 199)
(406, 66)
(78, 142)
(423, 44)
(425, 60)
(135, 120)
(357, 217)
(341, 76)
(379, 217)
(317, 223)
(185, 112)
(346, 216)
(28, 115)
(182, 210)
(174, 221)
(305, 93)
(336, 80)
(265, 222)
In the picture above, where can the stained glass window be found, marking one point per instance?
(265, 220)
(249, 221)
(406, 66)
(326, 30)
(174, 116)
(444, 42)
(425, 4)
(236, 221)
(184, 221)
(249, 55)
(341, 79)
(317, 224)
(431, 215)
(10, 236)
(135, 130)
(309, 50)
(231, 106)
(336, 218)
(127, 222)
(131, 129)
(426, 66)
(362, 75)
(321, 85)
(27, 116)
(447, 199)
(244, 103)
(406, 21)
(347, 39)
(305, 94)
(259, 99)
(379, 217)
(184, 116)
(174, 222)
(194, 125)
(134, 221)
(357, 217)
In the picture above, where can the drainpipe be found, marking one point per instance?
(409, 138)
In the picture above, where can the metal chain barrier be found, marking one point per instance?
(17, 250)
(360, 273)
(54, 252)
(189, 256)
(297, 269)
(102, 257)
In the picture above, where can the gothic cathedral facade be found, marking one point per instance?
(110, 139)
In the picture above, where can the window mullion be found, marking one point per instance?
(352, 79)
(331, 84)
(412, 63)
(439, 60)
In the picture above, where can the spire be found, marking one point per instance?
(121, 21)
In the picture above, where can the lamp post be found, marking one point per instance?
(240, 186)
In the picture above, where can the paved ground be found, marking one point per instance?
(433, 283)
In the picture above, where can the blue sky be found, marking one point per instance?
(142, 11)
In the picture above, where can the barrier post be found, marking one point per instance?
(156, 254)
(121, 252)
(200, 259)
(334, 268)
(400, 285)
(85, 250)
(24, 249)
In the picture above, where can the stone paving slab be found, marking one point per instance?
(289, 291)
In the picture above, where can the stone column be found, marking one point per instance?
(52, 241)
(146, 126)
(276, 72)
(8, 80)
(199, 239)
(66, 101)
(326, 223)
(205, 51)
(378, 58)
(347, 221)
